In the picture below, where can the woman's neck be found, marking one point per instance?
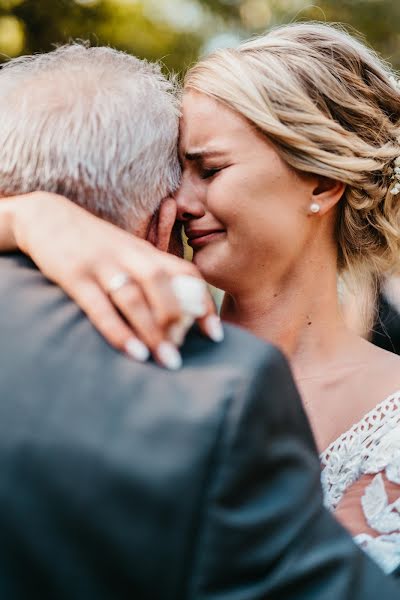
(300, 315)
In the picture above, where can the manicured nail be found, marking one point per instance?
(177, 332)
(169, 356)
(137, 350)
(214, 328)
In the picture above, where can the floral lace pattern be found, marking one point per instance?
(371, 446)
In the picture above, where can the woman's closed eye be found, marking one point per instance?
(208, 172)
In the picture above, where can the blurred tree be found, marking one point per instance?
(377, 20)
(122, 24)
(177, 31)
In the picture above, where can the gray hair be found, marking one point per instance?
(94, 124)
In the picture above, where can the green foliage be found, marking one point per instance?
(155, 29)
(377, 20)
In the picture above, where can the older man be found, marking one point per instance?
(120, 479)
(94, 124)
(100, 127)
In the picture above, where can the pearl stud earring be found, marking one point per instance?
(314, 208)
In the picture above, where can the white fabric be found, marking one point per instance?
(371, 446)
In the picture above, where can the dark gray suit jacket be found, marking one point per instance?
(120, 480)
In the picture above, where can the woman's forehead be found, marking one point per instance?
(209, 126)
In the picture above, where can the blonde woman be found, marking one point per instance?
(291, 162)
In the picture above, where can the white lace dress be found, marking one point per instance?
(371, 446)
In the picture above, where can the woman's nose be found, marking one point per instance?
(189, 203)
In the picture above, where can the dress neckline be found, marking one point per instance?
(364, 421)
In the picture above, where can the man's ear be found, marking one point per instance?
(161, 225)
(327, 193)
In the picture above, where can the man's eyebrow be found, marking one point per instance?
(200, 154)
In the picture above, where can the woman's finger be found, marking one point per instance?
(153, 282)
(106, 319)
(161, 298)
(211, 325)
(126, 289)
(130, 301)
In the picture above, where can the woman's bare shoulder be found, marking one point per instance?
(383, 371)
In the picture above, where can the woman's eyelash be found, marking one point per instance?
(207, 173)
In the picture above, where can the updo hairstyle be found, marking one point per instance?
(331, 107)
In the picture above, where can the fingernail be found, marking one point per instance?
(214, 328)
(177, 332)
(169, 356)
(137, 350)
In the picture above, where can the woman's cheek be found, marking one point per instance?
(226, 185)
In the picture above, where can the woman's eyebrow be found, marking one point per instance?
(200, 154)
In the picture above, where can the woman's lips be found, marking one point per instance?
(199, 239)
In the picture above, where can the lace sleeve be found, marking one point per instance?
(370, 510)
(371, 447)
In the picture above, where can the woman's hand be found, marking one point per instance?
(123, 284)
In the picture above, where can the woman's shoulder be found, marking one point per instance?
(361, 468)
(383, 373)
(364, 446)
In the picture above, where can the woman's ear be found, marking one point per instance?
(327, 193)
(161, 225)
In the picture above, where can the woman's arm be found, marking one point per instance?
(7, 225)
(82, 254)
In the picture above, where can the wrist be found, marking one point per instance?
(27, 210)
(7, 224)
(20, 206)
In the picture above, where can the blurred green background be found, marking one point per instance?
(178, 31)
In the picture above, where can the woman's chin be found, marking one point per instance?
(212, 267)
